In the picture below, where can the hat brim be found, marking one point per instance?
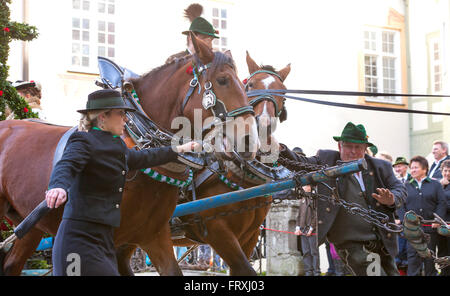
(127, 109)
(201, 32)
(337, 139)
(406, 163)
(25, 85)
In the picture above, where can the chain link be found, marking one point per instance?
(378, 219)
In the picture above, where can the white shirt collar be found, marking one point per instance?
(419, 182)
(438, 161)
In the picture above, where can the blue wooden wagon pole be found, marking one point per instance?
(269, 188)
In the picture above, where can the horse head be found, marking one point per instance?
(204, 91)
(268, 108)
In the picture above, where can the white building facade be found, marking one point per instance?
(396, 46)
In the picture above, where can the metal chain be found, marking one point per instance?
(299, 167)
(373, 217)
(378, 219)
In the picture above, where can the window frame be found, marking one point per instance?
(223, 32)
(94, 17)
(380, 56)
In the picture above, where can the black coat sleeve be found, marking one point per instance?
(141, 159)
(441, 208)
(289, 154)
(447, 196)
(75, 157)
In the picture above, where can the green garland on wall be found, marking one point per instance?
(12, 31)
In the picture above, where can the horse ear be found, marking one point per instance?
(285, 71)
(228, 53)
(252, 66)
(204, 53)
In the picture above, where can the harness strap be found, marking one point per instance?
(264, 71)
(240, 111)
(192, 86)
(266, 98)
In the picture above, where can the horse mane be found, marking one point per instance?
(220, 59)
(176, 64)
(268, 68)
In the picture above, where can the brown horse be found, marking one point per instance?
(147, 205)
(233, 237)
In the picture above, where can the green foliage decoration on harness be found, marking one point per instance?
(12, 31)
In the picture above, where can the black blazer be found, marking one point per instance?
(437, 173)
(383, 177)
(92, 170)
(447, 196)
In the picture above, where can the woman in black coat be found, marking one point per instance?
(444, 242)
(91, 175)
(425, 197)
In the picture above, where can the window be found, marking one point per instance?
(435, 66)
(435, 73)
(382, 64)
(93, 33)
(220, 22)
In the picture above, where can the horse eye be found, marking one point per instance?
(222, 80)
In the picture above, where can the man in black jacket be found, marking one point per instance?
(440, 153)
(358, 242)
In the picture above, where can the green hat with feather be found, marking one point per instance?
(354, 134)
(199, 24)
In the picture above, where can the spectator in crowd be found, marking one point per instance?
(331, 266)
(385, 156)
(204, 256)
(372, 151)
(440, 153)
(444, 242)
(425, 197)
(401, 171)
(306, 227)
(341, 269)
(200, 27)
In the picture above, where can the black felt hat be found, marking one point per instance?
(105, 99)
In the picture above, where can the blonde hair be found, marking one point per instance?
(89, 120)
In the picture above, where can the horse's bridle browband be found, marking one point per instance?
(210, 100)
(266, 97)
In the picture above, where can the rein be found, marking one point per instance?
(282, 93)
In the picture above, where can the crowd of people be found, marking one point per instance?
(427, 193)
(387, 186)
